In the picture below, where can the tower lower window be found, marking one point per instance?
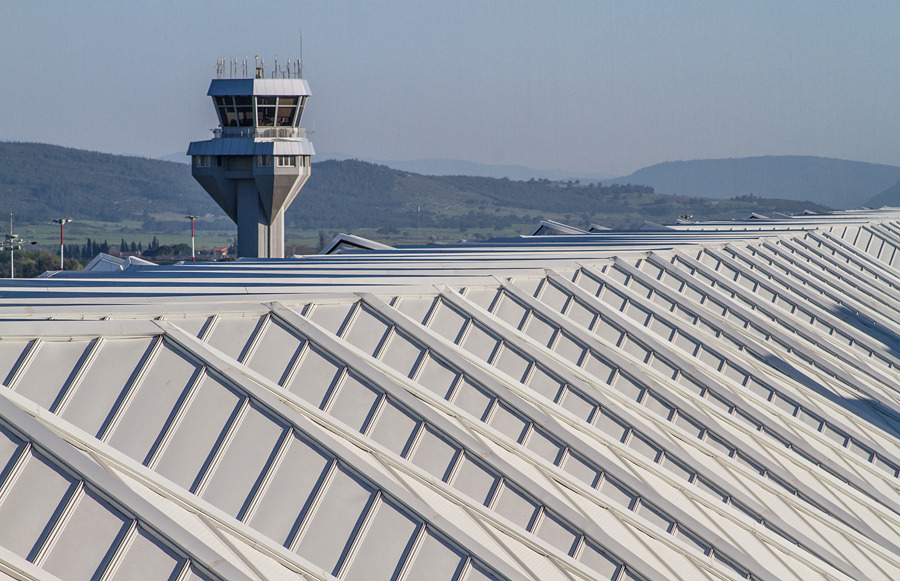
(286, 160)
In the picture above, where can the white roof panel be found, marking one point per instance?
(715, 401)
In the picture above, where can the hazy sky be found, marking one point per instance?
(580, 85)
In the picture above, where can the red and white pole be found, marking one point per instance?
(62, 222)
(192, 217)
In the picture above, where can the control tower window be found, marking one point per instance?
(244, 106)
(300, 111)
(286, 160)
(226, 111)
(265, 111)
(287, 111)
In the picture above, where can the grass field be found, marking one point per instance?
(77, 232)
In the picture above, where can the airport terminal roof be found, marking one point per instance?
(713, 401)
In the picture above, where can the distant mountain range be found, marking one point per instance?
(458, 167)
(451, 167)
(833, 182)
(40, 182)
(889, 197)
(836, 183)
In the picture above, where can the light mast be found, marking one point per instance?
(259, 157)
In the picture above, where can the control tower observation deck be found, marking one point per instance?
(259, 156)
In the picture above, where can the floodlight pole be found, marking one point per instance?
(191, 217)
(11, 243)
(61, 221)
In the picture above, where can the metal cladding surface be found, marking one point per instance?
(710, 401)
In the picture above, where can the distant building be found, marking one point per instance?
(119, 253)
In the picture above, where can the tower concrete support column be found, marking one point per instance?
(253, 228)
(276, 235)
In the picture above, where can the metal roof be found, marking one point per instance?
(700, 403)
(250, 146)
(267, 87)
(553, 228)
(350, 243)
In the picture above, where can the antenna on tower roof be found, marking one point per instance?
(300, 60)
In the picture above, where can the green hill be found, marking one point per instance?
(39, 182)
(113, 197)
(352, 195)
(834, 182)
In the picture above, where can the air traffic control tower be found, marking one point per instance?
(259, 157)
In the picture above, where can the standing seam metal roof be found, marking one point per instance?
(690, 404)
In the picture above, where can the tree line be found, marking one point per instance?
(92, 248)
(32, 263)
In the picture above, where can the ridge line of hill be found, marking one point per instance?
(838, 183)
(40, 182)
